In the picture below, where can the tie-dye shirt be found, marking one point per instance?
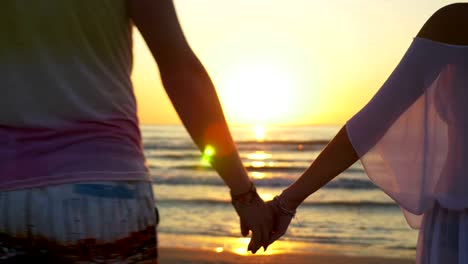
(67, 107)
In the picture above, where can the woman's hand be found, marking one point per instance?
(282, 217)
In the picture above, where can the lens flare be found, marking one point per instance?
(208, 153)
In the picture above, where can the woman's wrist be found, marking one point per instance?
(283, 209)
(289, 201)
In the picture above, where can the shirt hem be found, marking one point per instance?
(83, 177)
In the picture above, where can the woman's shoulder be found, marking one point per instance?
(448, 25)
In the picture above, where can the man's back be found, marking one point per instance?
(67, 109)
(64, 61)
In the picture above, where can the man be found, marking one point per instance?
(73, 180)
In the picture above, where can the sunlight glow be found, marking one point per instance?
(330, 53)
(241, 251)
(241, 246)
(259, 132)
(266, 196)
(257, 92)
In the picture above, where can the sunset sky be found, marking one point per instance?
(287, 62)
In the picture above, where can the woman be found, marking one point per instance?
(412, 139)
(74, 186)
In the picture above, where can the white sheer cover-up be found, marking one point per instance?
(412, 137)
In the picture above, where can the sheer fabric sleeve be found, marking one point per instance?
(400, 136)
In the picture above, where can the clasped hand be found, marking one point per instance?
(267, 221)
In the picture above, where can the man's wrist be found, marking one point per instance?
(242, 185)
(245, 197)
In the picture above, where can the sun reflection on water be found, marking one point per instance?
(258, 164)
(266, 196)
(219, 249)
(257, 175)
(236, 245)
(259, 155)
(239, 247)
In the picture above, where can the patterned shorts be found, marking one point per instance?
(93, 222)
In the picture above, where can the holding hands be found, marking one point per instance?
(267, 221)
(256, 216)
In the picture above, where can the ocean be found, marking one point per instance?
(350, 215)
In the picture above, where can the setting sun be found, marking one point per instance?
(259, 132)
(257, 92)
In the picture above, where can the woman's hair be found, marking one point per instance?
(449, 25)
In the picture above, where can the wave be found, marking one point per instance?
(197, 156)
(402, 247)
(295, 170)
(361, 204)
(249, 168)
(191, 156)
(346, 239)
(343, 183)
(278, 169)
(284, 142)
(300, 145)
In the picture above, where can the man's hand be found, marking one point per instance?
(256, 216)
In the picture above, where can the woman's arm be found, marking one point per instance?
(400, 91)
(337, 156)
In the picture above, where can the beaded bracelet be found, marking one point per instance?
(282, 207)
(243, 197)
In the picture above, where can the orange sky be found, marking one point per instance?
(294, 62)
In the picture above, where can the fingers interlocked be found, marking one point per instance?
(267, 221)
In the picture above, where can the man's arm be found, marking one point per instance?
(189, 87)
(194, 97)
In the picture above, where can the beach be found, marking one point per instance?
(183, 256)
(349, 216)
